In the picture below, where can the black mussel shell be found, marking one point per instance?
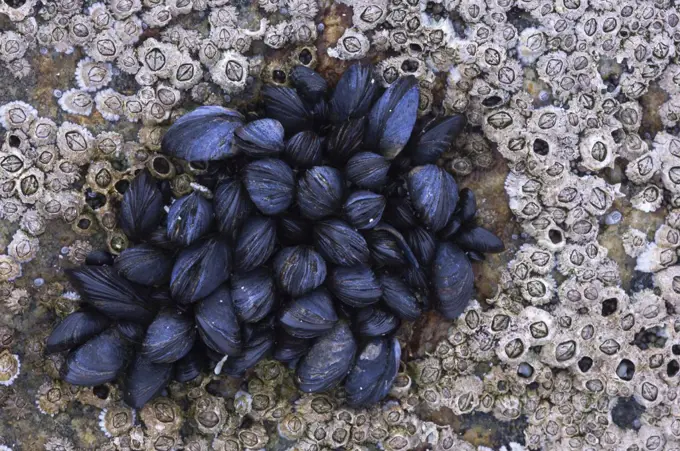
(399, 297)
(339, 243)
(392, 118)
(217, 322)
(260, 138)
(374, 372)
(422, 243)
(191, 365)
(310, 85)
(417, 278)
(253, 294)
(169, 337)
(205, 134)
(356, 286)
(270, 184)
(74, 330)
(453, 280)
(475, 256)
(304, 149)
(132, 332)
(145, 265)
(479, 239)
(255, 243)
(400, 214)
(434, 138)
(99, 258)
(354, 94)
(388, 247)
(294, 230)
(199, 269)
(320, 192)
(364, 209)
(373, 322)
(104, 289)
(258, 341)
(284, 105)
(299, 269)
(310, 315)
(328, 360)
(434, 195)
(189, 218)
(451, 229)
(145, 380)
(232, 206)
(368, 170)
(467, 206)
(289, 349)
(101, 359)
(142, 207)
(161, 296)
(344, 140)
(159, 238)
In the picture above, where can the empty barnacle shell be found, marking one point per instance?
(304, 149)
(217, 322)
(364, 209)
(299, 269)
(255, 243)
(309, 84)
(479, 239)
(356, 286)
(339, 243)
(199, 269)
(310, 315)
(345, 139)
(101, 359)
(368, 170)
(399, 298)
(260, 138)
(75, 330)
(145, 380)
(375, 370)
(284, 105)
(105, 290)
(434, 195)
(253, 294)
(144, 265)
(142, 207)
(258, 341)
(270, 184)
(435, 138)
(373, 322)
(205, 134)
(320, 192)
(328, 360)
(354, 94)
(169, 337)
(453, 280)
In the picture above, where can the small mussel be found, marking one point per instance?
(320, 192)
(310, 85)
(145, 265)
(74, 330)
(189, 218)
(299, 269)
(217, 322)
(433, 139)
(145, 380)
(363, 209)
(373, 322)
(258, 341)
(232, 206)
(304, 149)
(260, 138)
(453, 280)
(101, 359)
(434, 195)
(199, 269)
(255, 243)
(310, 315)
(399, 297)
(339, 243)
(169, 337)
(374, 372)
(270, 184)
(356, 286)
(368, 170)
(253, 294)
(191, 365)
(142, 208)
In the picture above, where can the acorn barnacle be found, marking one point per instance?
(327, 224)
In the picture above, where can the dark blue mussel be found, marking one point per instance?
(368, 170)
(304, 149)
(258, 341)
(191, 365)
(467, 205)
(74, 330)
(453, 280)
(142, 207)
(339, 243)
(308, 83)
(290, 349)
(480, 240)
(354, 94)
(320, 192)
(299, 269)
(345, 140)
(199, 269)
(434, 195)
(433, 139)
(99, 258)
(217, 322)
(205, 134)
(145, 380)
(260, 138)
(422, 244)
(374, 322)
(284, 105)
(145, 265)
(399, 297)
(101, 359)
(374, 372)
(169, 337)
(232, 206)
(388, 247)
(255, 243)
(356, 286)
(363, 209)
(271, 185)
(190, 217)
(253, 294)
(310, 315)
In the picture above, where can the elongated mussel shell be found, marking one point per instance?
(374, 372)
(435, 138)
(453, 280)
(374, 322)
(189, 218)
(310, 315)
(145, 380)
(289, 349)
(253, 294)
(399, 297)
(258, 342)
(217, 322)
(232, 206)
(191, 365)
(145, 265)
(74, 330)
(320, 192)
(299, 269)
(270, 184)
(284, 105)
(260, 138)
(142, 207)
(304, 149)
(169, 337)
(422, 244)
(205, 134)
(310, 85)
(363, 209)
(101, 359)
(344, 140)
(99, 258)
(388, 247)
(434, 195)
(339, 243)
(293, 230)
(480, 240)
(467, 205)
(102, 288)
(328, 360)
(354, 94)
(368, 170)
(255, 243)
(392, 118)
(199, 269)
(356, 286)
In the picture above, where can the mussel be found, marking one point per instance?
(145, 380)
(74, 330)
(253, 294)
(308, 83)
(399, 297)
(199, 269)
(258, 341)
(354, 94)
(310, 315)
(434, 138)
(356, 286)
(145, 265)
(453, 280)
(284, 105)
(374, 372)
(339, 243)
(260, 138)
(142, 207)
(232, 206)
(101, 359)
(363, 209)
(368, 170)
(434, 195)
(480, 240)
(217, 322)
(299, 269)
(255, 243)
(304, 149)
(374, 322)
(169, 337)
(270, 184)
(320, 192)
(189, 218)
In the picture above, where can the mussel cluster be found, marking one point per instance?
(315, 230)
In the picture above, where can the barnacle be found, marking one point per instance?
(52, 398)
(10, 368)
